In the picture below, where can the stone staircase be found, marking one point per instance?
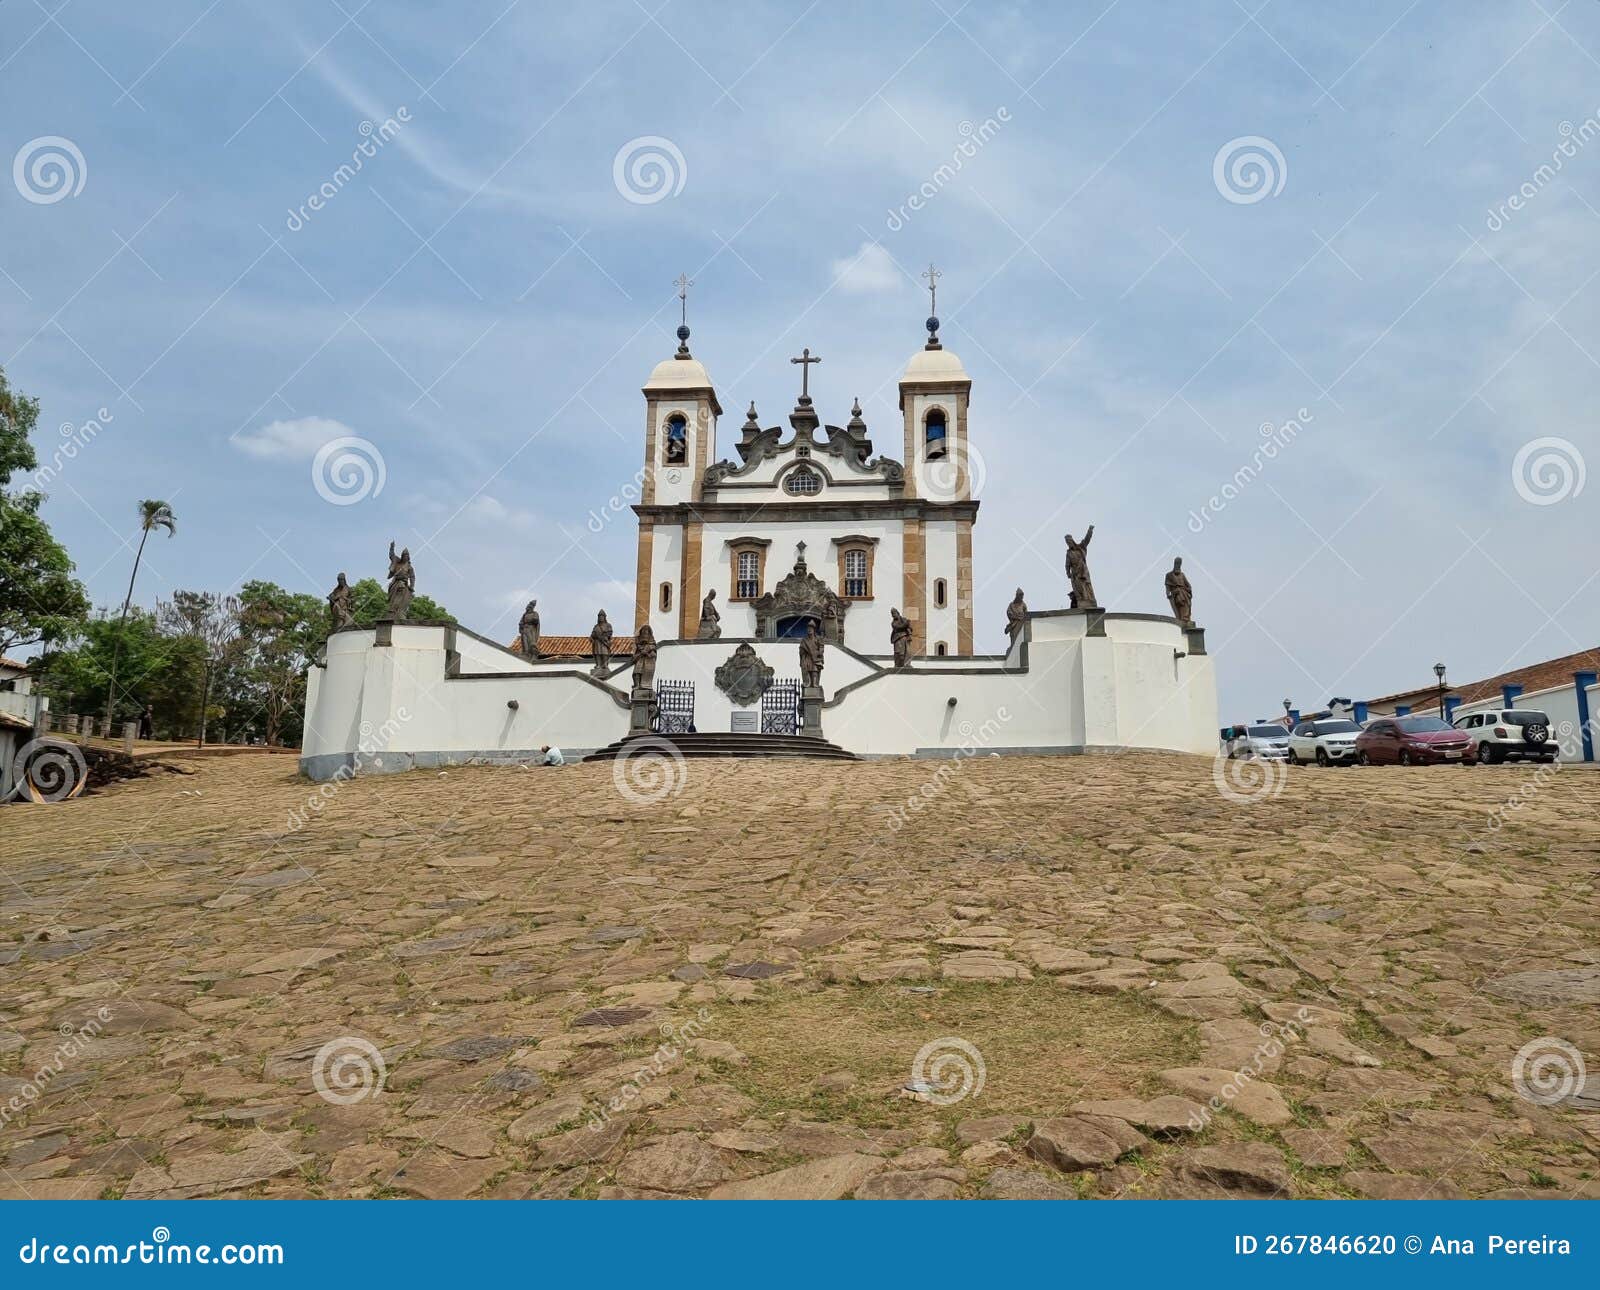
(725, 744)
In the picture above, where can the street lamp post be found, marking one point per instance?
(1438, 671)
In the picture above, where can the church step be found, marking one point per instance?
(727, 744)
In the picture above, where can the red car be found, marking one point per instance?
(1413, 741)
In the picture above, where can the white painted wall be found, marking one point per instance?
(939, 560)
(1124, 689)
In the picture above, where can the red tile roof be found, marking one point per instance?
(575, 647)
(1533, 678)
(16, 663)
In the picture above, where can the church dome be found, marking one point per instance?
(679, 374)
(934, 367)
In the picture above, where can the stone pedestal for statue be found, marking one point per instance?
(1196, 637)
(811, 711)
(641, 710)
(1097, 622)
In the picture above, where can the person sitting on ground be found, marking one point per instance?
(552, 756)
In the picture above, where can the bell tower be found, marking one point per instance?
(942, 473)
(680, 433)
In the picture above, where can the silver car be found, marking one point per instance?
(1266, 740)
(1329, 742)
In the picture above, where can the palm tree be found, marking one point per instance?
(152, 515)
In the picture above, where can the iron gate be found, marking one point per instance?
(780, 709)
(674, 708)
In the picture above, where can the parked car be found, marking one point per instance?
(1329, 742)
(1413, 741)
(1509, 734)
(1270, 741)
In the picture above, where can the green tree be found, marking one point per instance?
(283, 632)
(158, 670)
(213, 623)
(40, 601)
(152, 515)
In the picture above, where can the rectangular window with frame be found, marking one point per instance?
(856, 584)
(747, 575)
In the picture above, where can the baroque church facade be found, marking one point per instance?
(811, 522)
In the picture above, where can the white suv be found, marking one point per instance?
(1509, 734)
(1330, 742)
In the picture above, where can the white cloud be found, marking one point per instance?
(492, 510)
(871, 269)
(296, 440)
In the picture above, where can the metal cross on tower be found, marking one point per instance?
(805, 360)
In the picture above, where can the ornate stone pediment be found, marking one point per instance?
(744, 678)
(801, 594)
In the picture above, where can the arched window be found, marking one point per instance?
(935, 433)
(677, 438)
(941, 649)
(802, 483)
(747, 575)
(666, 596)
(941, 593)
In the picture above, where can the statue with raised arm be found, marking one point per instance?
(811, 648)
(1078, 571)
(528, 630)
(644, 658)
(1180, 595)
(1016, 617)
(402, 584)
(339, 611)
(900, 634)
(710, 619)
(600, 642)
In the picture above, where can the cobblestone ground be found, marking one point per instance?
(1079, 977)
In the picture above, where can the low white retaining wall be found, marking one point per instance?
(415, 695)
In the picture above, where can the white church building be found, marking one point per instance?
(804, 525)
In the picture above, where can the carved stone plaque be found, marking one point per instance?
(744, 678)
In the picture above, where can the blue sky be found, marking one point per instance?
(482, 300)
